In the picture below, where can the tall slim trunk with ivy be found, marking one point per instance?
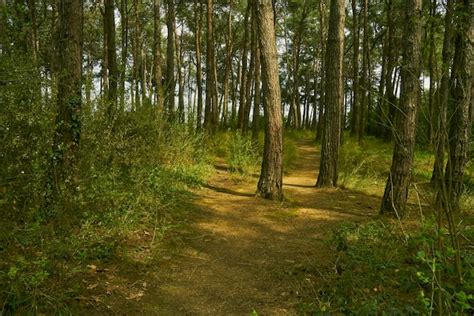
(69, 99)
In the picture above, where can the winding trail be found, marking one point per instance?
(241, 253)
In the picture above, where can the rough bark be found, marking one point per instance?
(460, 124)
(228, 67)
(211, 110)
(444, 92)
(270, 183)
(396, 189)
(328, 171)
(69, 99)
(364, 82)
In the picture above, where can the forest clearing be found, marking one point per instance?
(236, 157)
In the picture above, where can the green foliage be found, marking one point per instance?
(136, 175)
(242, 154)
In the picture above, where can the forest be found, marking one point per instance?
(236, 157)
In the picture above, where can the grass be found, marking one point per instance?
(133, 190)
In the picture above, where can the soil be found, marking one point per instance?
(237, 254)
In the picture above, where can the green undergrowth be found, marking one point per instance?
(380, 268)
(133, 178)
(243, 155)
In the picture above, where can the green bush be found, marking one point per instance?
(242, 154)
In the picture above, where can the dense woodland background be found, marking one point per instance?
(112, 112)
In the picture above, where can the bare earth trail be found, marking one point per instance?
(242, 253)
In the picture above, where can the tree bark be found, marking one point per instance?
(69, 99)
(157, 74)
(228, 67)
(444, 93)
(364, 104)
(334, 98)
(355, 72)
(460, 124)
(211, 98)
(396, 189)
(270, 185)
(113, 74)
(198, 21)
(170, 60)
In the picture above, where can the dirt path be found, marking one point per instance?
(241, 253)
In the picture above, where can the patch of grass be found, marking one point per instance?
(379, 269)
(129, 182)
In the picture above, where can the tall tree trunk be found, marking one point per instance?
(444, 92)
(211, 103)
(124, 52)
(243, 69)
(109, 28)
(355, 71)
(179, 66)
(320, 125)
(157, 75)
(334, 98)
(250, 73)
(396, 189)
(270, 184)
(460, 124)
(390, 96)
(69, 99)
(170, 58)
(257, 100)
(228, 67)
(198, 21)
(364, 104)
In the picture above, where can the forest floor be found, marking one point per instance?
(236, 254)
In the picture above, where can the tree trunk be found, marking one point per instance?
(396, 189)
(69, 99)
(444, 93)
(334, 98)
(460, 124)
(109, 28)
(170, 58)
(124, 52)
(157, 76)
(250, 73)
(270, 185)
(355, 72)
(390, 97)
(211, 103)
(364, 104)
(179, 66)
(256, 103)
(320, 125)
(228, 67)
(243, 74)
(198, 21)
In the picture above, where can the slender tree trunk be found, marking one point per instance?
(198, 21)
(334, 97)
(270, 184)
(396, 189)
(124, 52)
(228, 67)
(256, 103)
(170, 60)
(390, 97)
(179, 66)
(319, 128)
(113, 74)
(444, 93)
(157, 75)
(250, 73)
(211, 103)
(243, 69)
(364, 104)
(355, 71)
